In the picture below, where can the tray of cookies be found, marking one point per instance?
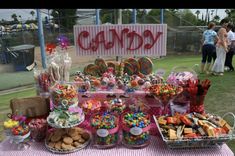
(65, 141)
(195, 130)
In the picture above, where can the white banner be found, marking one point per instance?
(121, 40)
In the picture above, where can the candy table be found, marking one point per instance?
(156, 148)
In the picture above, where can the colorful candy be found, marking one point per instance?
(91, 106)
(10, 124)
(43, 81)
(64, 95)
(136, 126)
(20, 130)
(38, 128)
(105, 127)
(117, 105)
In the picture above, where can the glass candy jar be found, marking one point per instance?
(136, 129)
(105, 127)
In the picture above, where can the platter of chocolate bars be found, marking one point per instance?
(195, 130)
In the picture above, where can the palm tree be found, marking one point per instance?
(197, 13)
(216, 19)
(14, 17)
(32, 13)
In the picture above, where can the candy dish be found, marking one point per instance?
(68, 140)
(64, 95)
(105, 127)
(91, 106)
(65, 119)
(136, 127)
(195, 130)
(38, 128)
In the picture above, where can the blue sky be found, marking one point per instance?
(25, 13)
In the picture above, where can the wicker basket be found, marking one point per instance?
(202, 142)
(30, 107)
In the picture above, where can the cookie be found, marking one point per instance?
(85, 136)
(134, 63)
(68, 140)
(64, 136)
(101, 63)
(81, 140)
(49, 137)
(58, 145)
(146, 65)
(87, 68)
(67, 147)
(72, 132)
(79, 130)
(76, 137)
(60, 132)
(55, 137)
(77, 144)
(51, 144)
(128, 68)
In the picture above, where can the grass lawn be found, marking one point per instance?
(219, 100)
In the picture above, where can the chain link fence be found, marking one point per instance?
(183, 39)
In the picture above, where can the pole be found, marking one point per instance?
(134, 16)
(119, 22)
(41, 39)
(97, 19)
(119, 16)
(162, 16)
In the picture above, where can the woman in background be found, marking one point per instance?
(221, 50)
(208, 48)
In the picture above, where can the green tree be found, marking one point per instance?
(32, 13)
(230, 14)
(188, 17)
(197, 13)
(126, 16)
(216, 19)
(65, 17)
(107, 16)
(14, 17)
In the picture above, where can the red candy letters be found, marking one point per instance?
(132, 37)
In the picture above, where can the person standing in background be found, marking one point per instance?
(221, 50)
(208, 48)
(229, 55)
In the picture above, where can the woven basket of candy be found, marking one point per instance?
(195, 130)
(64, 141)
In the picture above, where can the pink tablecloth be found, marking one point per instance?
(156, 148)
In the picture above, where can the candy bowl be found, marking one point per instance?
(91, 106)
(136, 129)
(117, 105)
(64, 95)
(38, 128)
(66, 119)
(165, 93)
(180, 76)
(20, 136)
(105, 128)
(64, 141)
